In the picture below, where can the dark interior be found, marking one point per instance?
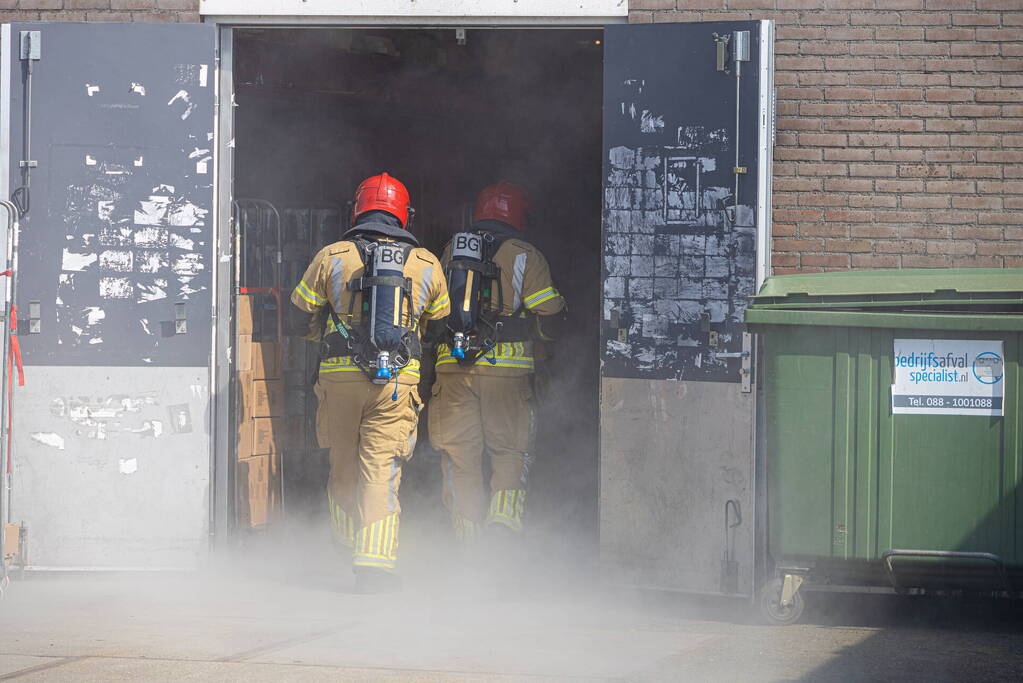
(320, 109)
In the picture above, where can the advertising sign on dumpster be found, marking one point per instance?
(947, 377)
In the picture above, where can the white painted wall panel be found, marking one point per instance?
(416, 8)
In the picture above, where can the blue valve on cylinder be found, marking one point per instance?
(383, 374)
(458, 347)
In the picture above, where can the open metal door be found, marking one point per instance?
(687, 145)
(109, 155)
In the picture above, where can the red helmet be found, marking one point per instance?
(505, 202)
(382, 193)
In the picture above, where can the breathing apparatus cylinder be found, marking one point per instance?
(464, 286)
(385, 309)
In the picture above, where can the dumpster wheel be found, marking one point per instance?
(771, 608)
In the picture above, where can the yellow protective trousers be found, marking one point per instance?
(370, 437)
(470, 412)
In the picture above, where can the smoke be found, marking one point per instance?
(317, 113)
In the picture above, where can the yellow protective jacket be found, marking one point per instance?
(528, 289)
(326, 281)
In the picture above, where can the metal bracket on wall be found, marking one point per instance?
(721, 51)
(747, 363)
(180, 323)
(35, 323)
(746, 356)
(31, 45)
(740, 46)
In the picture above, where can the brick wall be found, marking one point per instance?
(99, 10)
(900, 129)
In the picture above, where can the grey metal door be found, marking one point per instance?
(686, 198)
(109, 150)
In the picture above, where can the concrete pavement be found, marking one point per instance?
(280, 613)
(214, 627)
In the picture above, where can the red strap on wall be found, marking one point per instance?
(13, 361)
(15, 354)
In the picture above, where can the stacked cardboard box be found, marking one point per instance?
(263, 429)
(12, 544)
(258, 491)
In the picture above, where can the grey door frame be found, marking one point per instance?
(222, 522)
(221, 502)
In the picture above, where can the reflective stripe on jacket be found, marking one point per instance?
(326, 282)
(525, 283)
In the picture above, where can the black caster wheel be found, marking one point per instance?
(771, 608)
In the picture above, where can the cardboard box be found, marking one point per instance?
(258, 436)
(258, 492)
(261, 397)
(266, 435)
(262, 360)
(244, 313)
(12, 541)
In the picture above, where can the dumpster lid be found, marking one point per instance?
(874, 288)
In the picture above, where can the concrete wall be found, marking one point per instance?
(900, 123)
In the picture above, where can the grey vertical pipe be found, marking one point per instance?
(740, 54)
(5, 494)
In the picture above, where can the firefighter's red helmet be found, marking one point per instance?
(382, 193)
(505, 202)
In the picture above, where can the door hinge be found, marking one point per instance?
(746, 371)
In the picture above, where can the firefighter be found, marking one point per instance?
(503, 300)
(375, 289)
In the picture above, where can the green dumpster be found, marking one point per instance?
(892, 432)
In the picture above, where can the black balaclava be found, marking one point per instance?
(381, 223)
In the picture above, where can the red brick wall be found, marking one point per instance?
(99, 10)
(900, 129)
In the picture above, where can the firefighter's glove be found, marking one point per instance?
(550, 328)
(312, 329)
(436, 332)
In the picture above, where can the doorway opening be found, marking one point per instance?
(447, 112)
